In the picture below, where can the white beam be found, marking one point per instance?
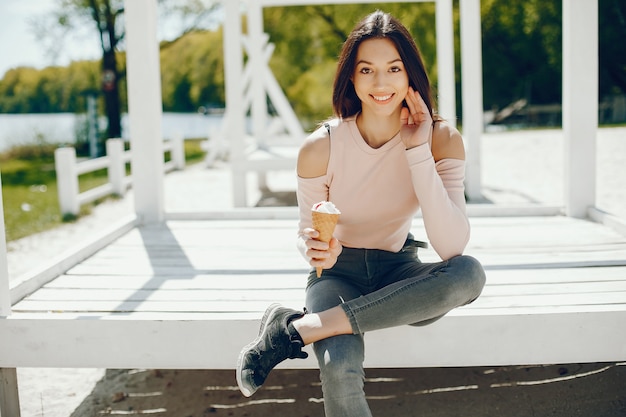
(5, 291)
(145, 109)
(445, 61)
(9, 397)
(257, 41)
(580, 103)
(235, 124)
(472, 93)
(488, 340)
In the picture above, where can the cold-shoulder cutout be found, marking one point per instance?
(447, 142)
(314, 154)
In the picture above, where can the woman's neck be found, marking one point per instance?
(377, 130)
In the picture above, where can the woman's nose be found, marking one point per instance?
(380, 78)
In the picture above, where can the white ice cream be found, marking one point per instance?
(325, 207)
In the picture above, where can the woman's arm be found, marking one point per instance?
(312, 188)
(436, 157)
(438, 176)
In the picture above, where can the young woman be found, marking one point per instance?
(380, 160)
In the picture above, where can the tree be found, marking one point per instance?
(612, 21)
(107, 16)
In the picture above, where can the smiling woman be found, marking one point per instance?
(379, 160)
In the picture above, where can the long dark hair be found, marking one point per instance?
(377, 25)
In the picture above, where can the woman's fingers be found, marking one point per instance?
(404, 116)
(417, 109)
(418, 128)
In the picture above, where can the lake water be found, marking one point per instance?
(17, 129)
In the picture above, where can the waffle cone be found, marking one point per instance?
(325, 224)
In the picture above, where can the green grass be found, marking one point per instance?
(29, 189)
(29, 209)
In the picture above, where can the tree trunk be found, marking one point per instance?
(110, 88)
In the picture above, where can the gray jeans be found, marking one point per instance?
(379, 289)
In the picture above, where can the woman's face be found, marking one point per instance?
(380, 79)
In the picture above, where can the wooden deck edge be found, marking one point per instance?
(291, 213)
(607, 219)
(200, 344)
(32, 280)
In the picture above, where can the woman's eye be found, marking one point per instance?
(365, 71)
(395, 69)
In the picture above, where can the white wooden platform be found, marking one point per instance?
(189, 293)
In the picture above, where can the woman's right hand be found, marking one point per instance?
(321, 254)
(416, 121)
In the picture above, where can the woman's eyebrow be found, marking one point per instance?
(363, 61)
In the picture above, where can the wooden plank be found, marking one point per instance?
(244, 280)
(504, 290)
(541, 310)
(556, 275)
(258, 303)
(61, 296)
(158, 306)
(236, 316)
(296, 279)
(512, 301)
(199, 294)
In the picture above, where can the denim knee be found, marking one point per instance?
(472, 276)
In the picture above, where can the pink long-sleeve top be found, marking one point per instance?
(380, 190)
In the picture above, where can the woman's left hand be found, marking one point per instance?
(417, 123)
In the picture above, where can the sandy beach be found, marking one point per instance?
(524, 167)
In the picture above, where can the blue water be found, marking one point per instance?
(62, 128)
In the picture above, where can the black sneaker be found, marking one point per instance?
(276, 342)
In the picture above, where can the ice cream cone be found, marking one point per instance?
(325, 224)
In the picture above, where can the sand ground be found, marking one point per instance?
(517, 167)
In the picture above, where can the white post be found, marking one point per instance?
(580, 103)
(178, 151)
(145, 109)
(257, 41)
(9, 398)
(117, 166)
(233, 66)
(445, 61)
(472, 94)
(67, 180)
(5, 291)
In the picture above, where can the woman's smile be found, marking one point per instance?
(381, 99)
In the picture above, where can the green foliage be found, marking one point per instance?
(612, 22)
(49, 90)
(521, 51)
(193, 72)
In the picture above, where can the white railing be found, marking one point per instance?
(68, 169)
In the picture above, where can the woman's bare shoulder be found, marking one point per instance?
(447, 142)
(313, 155)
